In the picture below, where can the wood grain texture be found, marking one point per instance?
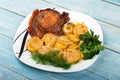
(107, 66)
(10, 23)
(24, 7)
(6, 74)
(115, 2)
(111, 36)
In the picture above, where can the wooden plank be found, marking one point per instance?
(107, 65)
(22, 6)
(95, 8)
(9, 27)
(18, 67)
(6, 74)
(111, 36)
(115, 2)
(9, 19)
(10, 23)
(13, 62)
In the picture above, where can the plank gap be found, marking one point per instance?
(12, 12)
(5, 36)
(53, 4)
(112, 50)
(111, 3)
(16, 73)
(97, 74)
(115, 26)
(7, 52)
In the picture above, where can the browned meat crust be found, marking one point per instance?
(47, 21)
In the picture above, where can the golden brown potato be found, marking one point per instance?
(49, 39)
(82, 56)
(34, 44)
(73, 37)
(71, 55)
(44, 50)
(29, 47)
(68, 28)
(74, 46)
(85, 29)
(78, 29)
(60, 45)
(64, 40)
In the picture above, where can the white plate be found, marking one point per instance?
(74, 17)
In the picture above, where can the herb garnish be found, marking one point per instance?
(51, 58)
(91, 45)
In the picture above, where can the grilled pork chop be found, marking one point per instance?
(47, 21)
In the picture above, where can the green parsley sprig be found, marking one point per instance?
(91, 45)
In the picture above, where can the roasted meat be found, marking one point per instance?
(47, 21)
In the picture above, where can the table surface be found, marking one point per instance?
(106, 12)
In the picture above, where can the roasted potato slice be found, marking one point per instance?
(74, 46)
(71, 55)
(49, 39)
(78, 29)
(60, 45)
(64, 40)
(44, 49)
(73, 37)
(34, 44)
(68, 28)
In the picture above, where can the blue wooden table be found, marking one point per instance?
(106, 12)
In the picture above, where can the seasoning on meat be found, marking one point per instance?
(47, 21)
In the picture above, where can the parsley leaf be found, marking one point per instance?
(91, 45)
